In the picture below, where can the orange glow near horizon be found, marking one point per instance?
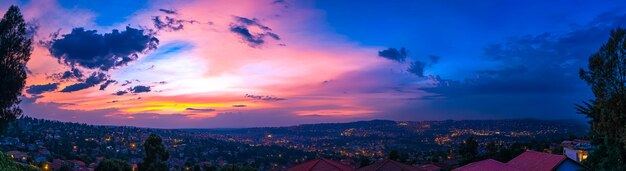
(193, 78)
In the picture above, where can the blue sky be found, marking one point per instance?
(272, 63)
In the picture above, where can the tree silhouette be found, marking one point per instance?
(236, 167)
(15, 50)
(113, 165)
(469, 150)
(156, 155)
(394, 155)
(65, 167)
(492, 149)
(606, 74)
(364, 162)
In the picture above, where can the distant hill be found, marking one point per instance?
(377, 137)
(274, 147)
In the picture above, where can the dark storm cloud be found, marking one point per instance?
(127, 82)
(494, 85)
(264, 98)
(74, 73)
(168, 11)
(278, 1)
(417, 68)
(170, 23)
(91, 81)
(121, 92)
(89, 49)
(201, 109)
(139, 89)
(107, 83)
(542, 64)
(281, 2)
(38, 89)
(167, 23)
(394, 54)
(242, 26)
(247, 36)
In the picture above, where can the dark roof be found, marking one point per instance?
(529, 160)
(429, 167)
(486, 165)
(532, 160)
(389, 165)
(321, 164)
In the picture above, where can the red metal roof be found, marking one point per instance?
(321, 164)
(486, 165)
(538, 161)
(430, 167)
(389, 165)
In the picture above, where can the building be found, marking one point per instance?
(430, 167)
(577, 150)
(527, 161)
(486, 165)
(389, 165)
(18, 155)
(321, 164)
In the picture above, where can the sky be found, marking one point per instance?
(227, 64)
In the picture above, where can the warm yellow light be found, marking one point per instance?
(174, 106)
(582, 155)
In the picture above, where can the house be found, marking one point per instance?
(389, 165)
(486, 165)
(17, 155)
(430, 167)
(577, 150)
(321, 164)
(77, 164)
(56, 164)
(533, 160)
(527, 161)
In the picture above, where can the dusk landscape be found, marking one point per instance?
(299, 85)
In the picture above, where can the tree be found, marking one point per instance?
(65, 167)
(8, 164)
(492, 149)
(15, 50)
(606, 74)
(236, 167)
(394, 155)
(365, 162)
(469, 150)
(197, 168)
(210, 168)
(505, 154)
(113, 165)
(156, 155)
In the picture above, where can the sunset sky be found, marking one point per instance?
(225, 63)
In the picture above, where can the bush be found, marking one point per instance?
(8, 165)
